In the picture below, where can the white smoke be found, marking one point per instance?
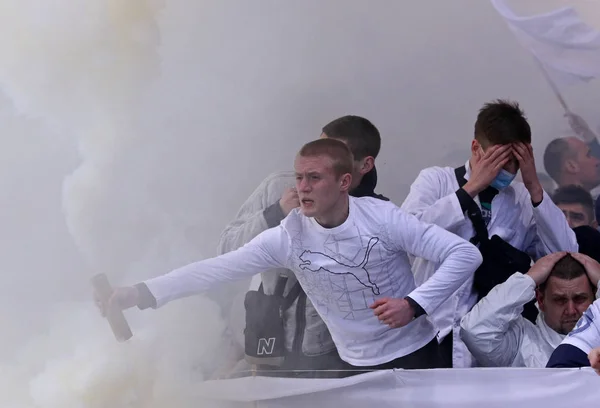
(84, 69)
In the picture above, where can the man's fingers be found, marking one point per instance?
(387, 315)
(500, 164)
(496, 151)
(525, 151)
(582, 258)
(495, 160)
(555, 257)
(518, 155)
(594, 358)
(380, 310)
(379, 302)
(558, 255)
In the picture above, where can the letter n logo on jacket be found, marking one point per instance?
(265, 346)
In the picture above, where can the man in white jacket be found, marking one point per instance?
(351, 257)
(496, 333)
(581, 348)
(521, 214)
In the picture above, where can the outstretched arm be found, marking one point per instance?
(267, 251)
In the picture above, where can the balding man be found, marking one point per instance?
(569, 161)
(574, 160)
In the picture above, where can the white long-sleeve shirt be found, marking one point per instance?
(343, 270)
(538, 231)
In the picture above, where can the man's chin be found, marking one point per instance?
(567, 328)
(307, 212)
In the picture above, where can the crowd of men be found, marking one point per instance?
(473, 269)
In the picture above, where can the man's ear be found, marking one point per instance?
(366, 165)
(345, 182)
(594, 224)
(539, 296)
(475, 147)
(571, 166)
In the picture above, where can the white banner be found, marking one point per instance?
(566, 47)
(459, 388)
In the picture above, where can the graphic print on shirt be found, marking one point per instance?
(314, 261)
(584, 322)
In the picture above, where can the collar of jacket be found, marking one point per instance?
(367, 185)
(553, 338)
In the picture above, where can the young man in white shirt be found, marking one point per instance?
(520, 214)
(308, 344)
(351, 257)
(496, 333)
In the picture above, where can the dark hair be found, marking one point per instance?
(573, 194)
(567, 268)
(337, 151)
(361, 136)
(588, 239)
(501, 122)
(554, 156)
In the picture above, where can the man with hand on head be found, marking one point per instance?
(496, 333)
(480, 202)
(351, 257)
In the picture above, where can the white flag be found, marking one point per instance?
(566, 47)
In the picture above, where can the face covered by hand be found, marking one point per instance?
(502, 179)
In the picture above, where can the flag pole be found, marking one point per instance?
(553, 86)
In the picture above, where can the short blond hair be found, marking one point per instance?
(337, 151)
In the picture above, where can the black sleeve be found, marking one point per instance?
(273, 215)
(147, 299)
(465, 200)
(419, 311)
(568, 356)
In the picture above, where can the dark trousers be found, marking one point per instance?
(446, 351)
(426, 357)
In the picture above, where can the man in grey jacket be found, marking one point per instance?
(307, 340)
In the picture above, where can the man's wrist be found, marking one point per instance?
(471, 190)
(418, 310)
(145, 298)
(537, 195)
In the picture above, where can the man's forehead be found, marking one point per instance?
(576, 144)
(571, 207)
(568, 287)
(307, 164)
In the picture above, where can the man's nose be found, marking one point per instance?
(303, 185)
(512, 166)
(571, 309)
